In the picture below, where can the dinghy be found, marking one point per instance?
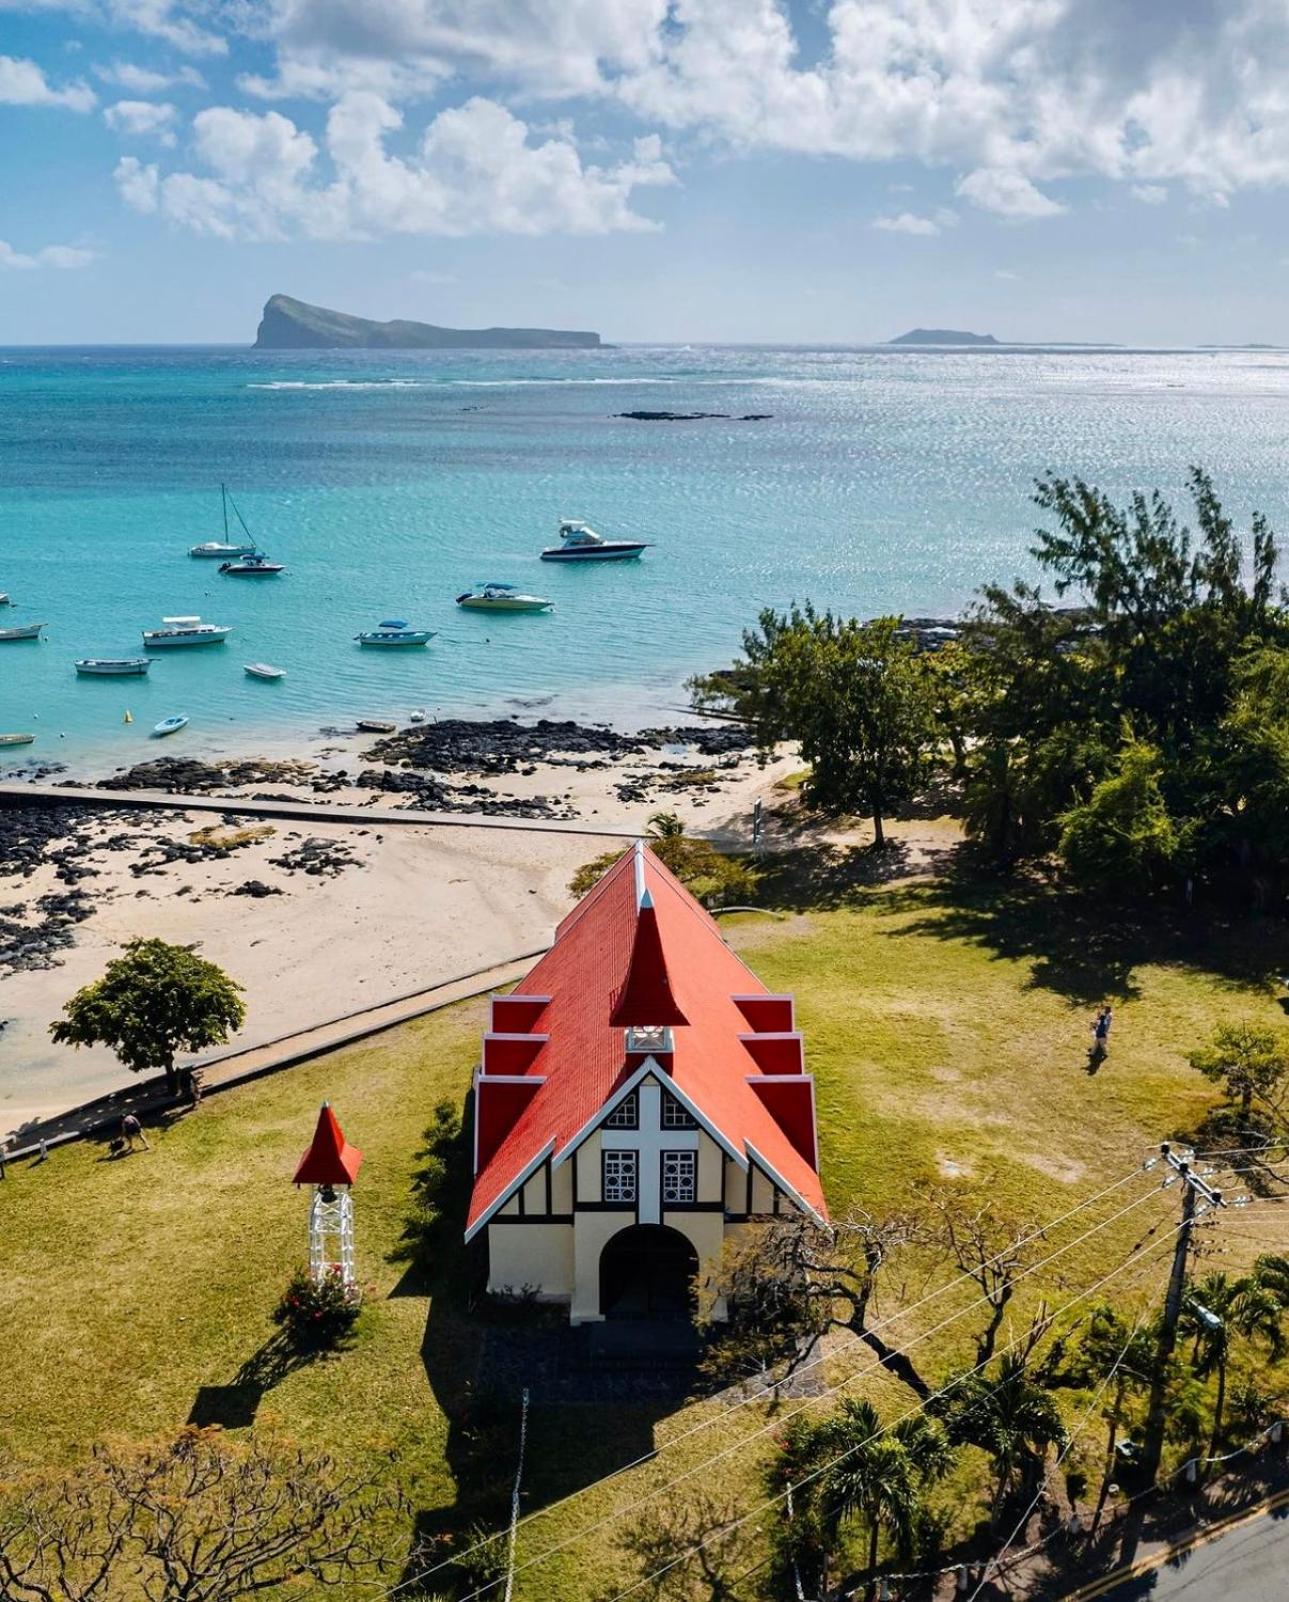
(169, 725)
(262, 670)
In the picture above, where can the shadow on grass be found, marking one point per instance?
(1080, 947)
(234, 1406)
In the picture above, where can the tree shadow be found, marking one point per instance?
(824, 877)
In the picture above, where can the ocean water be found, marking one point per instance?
(388, 482)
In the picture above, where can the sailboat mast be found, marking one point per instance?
(223, 499)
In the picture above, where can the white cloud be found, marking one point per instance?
(1006, 275)
(64, 257)
(142, 119)
(906, 222)
(1150, 194)
(1006, 193)
(22, 83)
(475, 170)
(172, 21)
(144, 81)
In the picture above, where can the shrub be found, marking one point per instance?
(317, 1315)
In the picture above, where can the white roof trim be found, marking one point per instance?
(642, 893)
(522, 1178)
(787, 1189)
(650, 1067)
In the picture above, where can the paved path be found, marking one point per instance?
(149, 1096)
(1243, 1559)
(17, 795)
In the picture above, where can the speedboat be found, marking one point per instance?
(27, 631)
(4, 599)
(16, 739)
(169, 725)
(185, 631)
(113, 666)
(254, 566)
(497, 597)
(262, 670)
(578, 542)
(393, 631)
(226, 547)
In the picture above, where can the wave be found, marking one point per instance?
(342, 383)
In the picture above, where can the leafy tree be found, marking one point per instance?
(1007, 1415)
(1217, 1309)
(708, 874)
(874, 1476)
(1121, 838)
(200, 1517)
(152, 1003)
(857, 697)
(1246, 1060)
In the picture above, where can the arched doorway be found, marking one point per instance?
(647, 1272)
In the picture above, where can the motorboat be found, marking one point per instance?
(376, 726)
(224, 548)
(494, 596)
(393, 631)
(262, 670)
(113, 666)
(185, 631)
(25, 631)
(170, 725)
(254, 566)
(4, 599)
(16, 739)
(578, 542)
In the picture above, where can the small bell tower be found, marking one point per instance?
(330, 1165)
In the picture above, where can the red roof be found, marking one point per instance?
(330, 1160)
(639, 943)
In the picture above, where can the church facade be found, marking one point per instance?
(640, 1097)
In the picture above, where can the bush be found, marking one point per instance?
(708, 875)
(317, 1315)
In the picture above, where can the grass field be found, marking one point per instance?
(947, 1026)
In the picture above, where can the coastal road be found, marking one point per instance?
(25, 795)
(1243, 1559)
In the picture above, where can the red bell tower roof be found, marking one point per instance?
(646, 1000)
(330, 1159)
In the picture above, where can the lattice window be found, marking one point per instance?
(626, 1115)
(619, 1176)
(679, 1176)
(675, 1115)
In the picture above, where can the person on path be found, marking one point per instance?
(132, 1130)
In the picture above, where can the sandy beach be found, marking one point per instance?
(320, 919)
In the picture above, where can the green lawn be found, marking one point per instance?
(947, 1026)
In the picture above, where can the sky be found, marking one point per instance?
(791, 171)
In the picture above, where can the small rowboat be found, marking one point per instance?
(169, 726)
(16, 739)
(114, 666)
(262, 670)
(27, 631)
(376, 726)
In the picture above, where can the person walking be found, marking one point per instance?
(132, 1130)
(1101, 1033)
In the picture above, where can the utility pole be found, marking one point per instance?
(1195, 1191)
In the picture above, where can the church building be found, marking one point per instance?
(641, 1097)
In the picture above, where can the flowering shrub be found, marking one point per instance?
(318, 1314)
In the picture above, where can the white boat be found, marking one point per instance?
(27, 631)
(185, 631)
(4, 599)
(393, 632)
(254, 566)
(225, 548)
(169, 725)
(113, 666)
(494, 596)
(578, 542)
(262, 670)
(16, 739)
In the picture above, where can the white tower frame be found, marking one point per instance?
(331, 1235)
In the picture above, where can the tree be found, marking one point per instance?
(1216, 1310)
(1121, 839)
(1247, 1061)
(872, 1475)
(1007, 1415)
(152, 1003)
(1114, 1355)
(198, 1518)
(857, 697)
(709, 875)
(989, 1248)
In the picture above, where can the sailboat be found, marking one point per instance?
(226, 548)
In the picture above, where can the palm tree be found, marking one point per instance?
(1006, 1415)
(1218, 1309)
(664, 826)
(1120, 1359)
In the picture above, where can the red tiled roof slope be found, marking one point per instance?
(585, 974)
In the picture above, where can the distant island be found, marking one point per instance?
(289, 324)
(942, 336)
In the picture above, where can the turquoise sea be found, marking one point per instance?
(884, 479)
